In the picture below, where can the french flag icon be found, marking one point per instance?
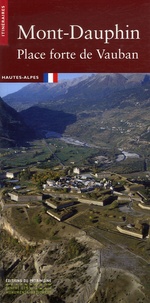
(50, 77)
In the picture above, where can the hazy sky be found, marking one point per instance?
(8, 88)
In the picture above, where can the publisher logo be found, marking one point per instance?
(28, 286)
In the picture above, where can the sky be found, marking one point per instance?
(8, 88)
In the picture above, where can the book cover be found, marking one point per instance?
(74, 151)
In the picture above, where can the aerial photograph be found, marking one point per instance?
(75, 189)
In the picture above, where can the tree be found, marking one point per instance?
(25, 174)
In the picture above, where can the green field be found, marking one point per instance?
(50, 153)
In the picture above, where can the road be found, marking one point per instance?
(53, 153)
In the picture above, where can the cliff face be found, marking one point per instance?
(15, 234)
(13, 130)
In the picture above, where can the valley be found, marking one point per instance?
(67, 151)
(108, 111)
(75, 191)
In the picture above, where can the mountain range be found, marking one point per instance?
(13, 130)
(101, 108)
(95, 87)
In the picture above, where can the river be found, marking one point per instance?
(125, 154)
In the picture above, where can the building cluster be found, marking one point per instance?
(9, 178)
(61, 197)
(79, 183)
